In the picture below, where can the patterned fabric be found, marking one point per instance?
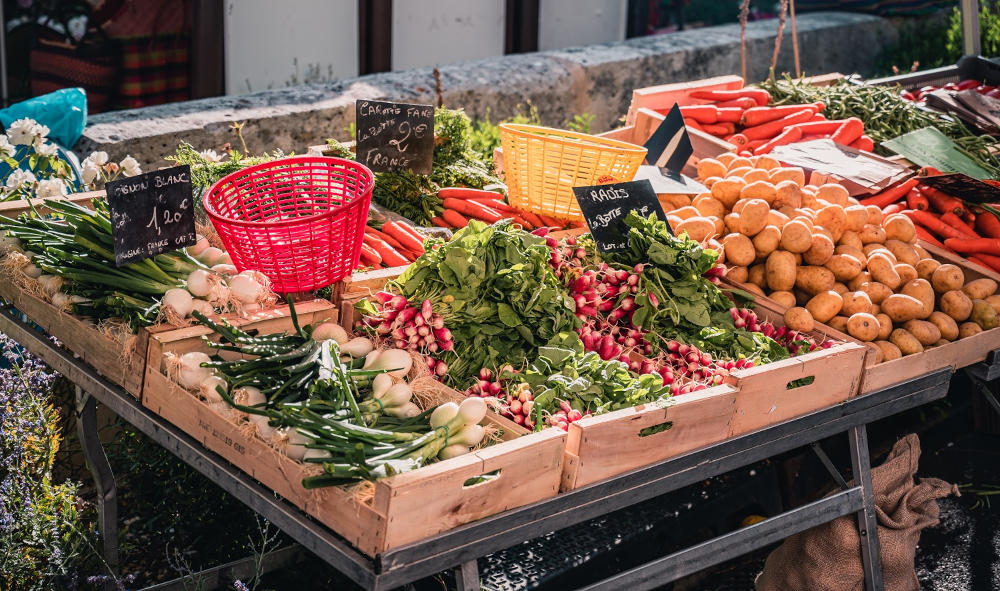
(155, 70)
(91, 65)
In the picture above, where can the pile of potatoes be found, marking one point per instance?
(828, 259)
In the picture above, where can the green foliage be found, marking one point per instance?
(486, 134)
(580, 123)
(989, 31)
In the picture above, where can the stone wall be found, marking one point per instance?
(595, 79)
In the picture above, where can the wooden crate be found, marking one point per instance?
(12, 209)
(407, 507)
(607, 445)
(121, 361)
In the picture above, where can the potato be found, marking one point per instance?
(844, 267)
(994, 300)
(802, 297)
(672, 201)
(787, 193)
(814, 280)
(874, 214)
(923, 254)
(853, 251)
(967, 329)
(856, 302)
(756, 175)
(759, 189)
(901, 307)
(905, 272)
(720, 226)
(709, 206)
(711, 181)
(833, 218)
(875, 247)
(753, 216)
(872, 233)
(857, 217)
(882, 270)
(820, 251)
(884, 326)
(796, 237)
(945, 324)
(834, 193)
(766, 241)
(922, 290)
(686, 213)
(757, 275)
(777, 219)
(889, 351)
(739, 249)
(727, 191)
(984, 315)
(697, 228)
(788, 173)
(926, 267)
(799, 319)
(876, 309)
(737, 274)
(926, 332)
(732, 221)
(980, 289)
(859, 280)
(739, 162)
(781, 270)
(710, 167)
(899, 227)
(851, 238)
(956, 304)
(903, 252)
(809, 200)
(875, 352)
(947, 277)
(785, 298)
(840, 288)
(726, 158)
(838, 323)
(863, 326)
(907, 343)
(825, 305)
(878, 292)
(766, 162)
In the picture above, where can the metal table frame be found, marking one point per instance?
(459, 548)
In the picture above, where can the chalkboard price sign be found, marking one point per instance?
(151, 213)
(395, 136)
(605, 207)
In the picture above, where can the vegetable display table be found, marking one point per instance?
(459, 548)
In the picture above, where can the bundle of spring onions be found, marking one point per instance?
(323, 398)
(72, 259)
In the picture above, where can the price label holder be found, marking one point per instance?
(395, 136)
(151, 213)
(964, 187)
(605, 208)
(667, 151)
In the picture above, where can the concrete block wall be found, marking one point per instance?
(596, 79)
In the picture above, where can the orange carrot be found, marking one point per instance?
(760, 96)
(533, 219)
(387, 254)
(369, 255)
(773, 128)
(992, 260)
(988, 224)
(738, 140)
(730, 114)
(959, 224)
(549, 221)
(892, 208)
(693, 124)
(743, 103)
(863, 143)
(790, 135)
(389, 239)
(890, 195)
(454, 219)
(925, 235)
(820, 127)
(719, 129)
(440, 223)
(407, 237)
(916, 200)
(497, 205)
(974, 246)
(941, 201)
(761, 115)
(934, 224)
(701, 113)
(849, 131)
(465, 193)
(981, 262)
(751, 146)
(472, 209)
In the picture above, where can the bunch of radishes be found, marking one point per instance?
(413, 327)
(517, 404)
(795, 342)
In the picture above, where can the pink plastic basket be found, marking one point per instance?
(299, 221)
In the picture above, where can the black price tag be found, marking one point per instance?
(605, 207)
(395, 136)
(669, 146)
(964, 187)
(151, 213)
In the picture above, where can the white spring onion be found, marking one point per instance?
(453, 451)
(443, 414)
(219, 296)
(224, 259)
(380, 384)
(210, 256)
(396, 360)
(224, 269)
(208, 388)
(179, 301)
(199, 246)
(321, 454)
(76, 299)
(9, 244)
(330, 331)
(204, 307)
(244, 289)
(43, 282)
(32, 270)
(469, 435)
(249, 396)
(357, 348)
(190, 373)
(264, 430)
(292, 442)
(398, 395)
(472, 410)
(60, 300)
(200, 283)
(405, 411)
(221, 408)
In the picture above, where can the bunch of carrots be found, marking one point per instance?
(462, 204)
(970, 230)
(742, 117)
(395, 244)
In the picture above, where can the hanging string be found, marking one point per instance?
(744, 14)
(781, 31)
(795, 40)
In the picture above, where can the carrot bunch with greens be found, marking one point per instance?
(462, 204)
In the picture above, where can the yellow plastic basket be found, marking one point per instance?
(542, 165)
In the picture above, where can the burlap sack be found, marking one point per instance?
(828, 557)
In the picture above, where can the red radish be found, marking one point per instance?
(384, 297)
(397, 303)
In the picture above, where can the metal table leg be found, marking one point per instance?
(467, 576)
(871, 558)
(104, 480)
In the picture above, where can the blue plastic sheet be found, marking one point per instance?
(64, 112)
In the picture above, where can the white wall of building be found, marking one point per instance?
(568, 23)
(273, 44)
(431, 32)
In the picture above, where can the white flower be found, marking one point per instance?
(211, 156)
(6, 148)
(130, 166)
(89, 172)
(51, 188)
(18, 178)
(23, 131)
(46, 149)
(98, 158)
